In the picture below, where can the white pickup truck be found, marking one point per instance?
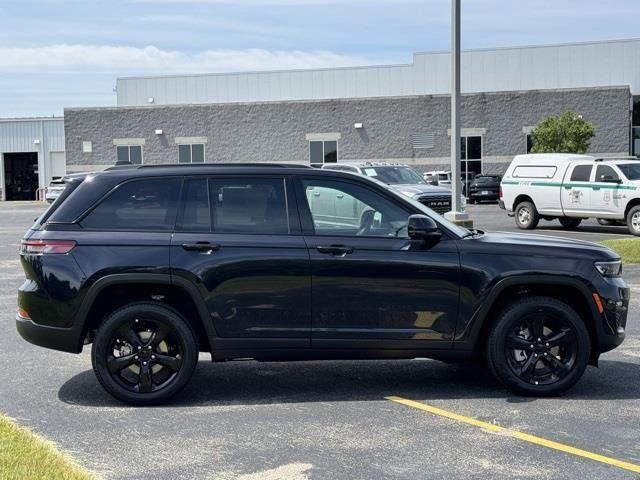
(572, 188)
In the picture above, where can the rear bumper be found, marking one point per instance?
(477, 195)
(64, 339)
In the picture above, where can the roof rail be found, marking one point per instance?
(622, 157)
(230, 165)
(196, 165)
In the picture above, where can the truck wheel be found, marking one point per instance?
(526, 215)
(633, 220)
(569, 222)
(144, 353)
(538, 346)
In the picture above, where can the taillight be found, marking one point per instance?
(500, 191)
(39, 247)
(22, 313)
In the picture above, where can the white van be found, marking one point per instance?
(572, 188)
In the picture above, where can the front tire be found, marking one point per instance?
(144, 353)
(570, 222)
(633, 220)
(526, 216)
(538, 346)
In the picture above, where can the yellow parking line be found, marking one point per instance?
(516, 434)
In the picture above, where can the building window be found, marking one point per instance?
(192, 153)
(323, 151)
(636, 141)
(529, 142)
(129, 155)
(471, 156)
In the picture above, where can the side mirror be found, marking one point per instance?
(609, 179)
(421, 227)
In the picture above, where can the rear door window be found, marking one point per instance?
(147, 204)
(249, 205)
(581, 173)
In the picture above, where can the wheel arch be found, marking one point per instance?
(126, 288)
(571, 291)
(634, 202)
(522, 197)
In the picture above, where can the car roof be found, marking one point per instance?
(203, 168)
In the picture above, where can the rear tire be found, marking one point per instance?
(526, 216)
(570, 222)
(633, 220)
(538, 346)
(144, 353)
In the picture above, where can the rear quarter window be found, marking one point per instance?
(534, 171)
(145, 204)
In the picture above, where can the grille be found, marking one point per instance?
(437, 203)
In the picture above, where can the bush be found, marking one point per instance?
(566, 133)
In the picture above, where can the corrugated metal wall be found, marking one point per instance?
(20, 135)
(597, 64)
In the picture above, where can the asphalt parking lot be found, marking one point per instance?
(320, 420)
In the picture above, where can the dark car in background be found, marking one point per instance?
(484, 188)
(154, 264)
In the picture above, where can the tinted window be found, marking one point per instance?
(603, 170)
(256, 206)
(630, 170)
(196, 216)
(581, 173)
(148, 204)
(340, 208)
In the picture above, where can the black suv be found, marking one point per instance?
(484, 187)
(155, 264)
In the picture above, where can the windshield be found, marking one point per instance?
(630, 170)
(394, 175)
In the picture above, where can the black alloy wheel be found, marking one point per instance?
(144, 353)
(539, 346)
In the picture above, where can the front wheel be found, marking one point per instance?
(144, 353)
(538, 346)
(569, 222)
(633, 220)
(526, 215)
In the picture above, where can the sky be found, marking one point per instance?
(68, 53)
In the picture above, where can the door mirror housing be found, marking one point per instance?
(421, 227)
(609, 179)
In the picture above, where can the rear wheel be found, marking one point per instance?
(570, 222)
(526, 216)
(144, 353)
(538, 346)
(633, 220)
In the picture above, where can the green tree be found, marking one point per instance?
(566, 133)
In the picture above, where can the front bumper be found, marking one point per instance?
(611, 330)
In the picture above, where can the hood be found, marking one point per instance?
(519, 243)
(418, 189)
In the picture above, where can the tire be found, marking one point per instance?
(633, 220)
(570, 222)
(151, 338)
(555, 363)
(526, 216)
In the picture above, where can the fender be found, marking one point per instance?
(467, 339)
(94, 290)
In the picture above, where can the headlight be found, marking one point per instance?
(609, 269)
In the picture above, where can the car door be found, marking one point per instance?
(372, 287)
(238, 241)
(606, 194)
(576, 189)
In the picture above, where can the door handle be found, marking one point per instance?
(567, 187)
(204, 247)
(337, 250)
(596, 188)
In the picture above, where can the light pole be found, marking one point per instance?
(456, 214)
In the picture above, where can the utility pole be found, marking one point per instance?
(456, 215)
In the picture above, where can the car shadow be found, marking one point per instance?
(256, 383)
(622, 231)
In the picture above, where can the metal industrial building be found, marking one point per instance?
(396, 113)
(31, 153)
